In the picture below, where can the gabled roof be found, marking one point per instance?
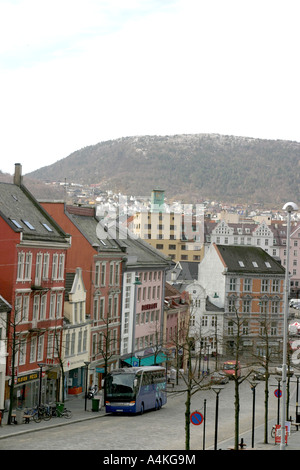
(248, 259)
(140, 254)
(87, 224)
(4, 305)
(23, 213)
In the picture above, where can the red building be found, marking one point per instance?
(100, 258)
(33, 251)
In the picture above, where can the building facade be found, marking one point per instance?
(248, 283)
(33, 250)
(100, 259)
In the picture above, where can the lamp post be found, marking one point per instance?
(278, 399)
(253, 385)
(297, 418)
(289, 207)
(87, 363)
(217, 391)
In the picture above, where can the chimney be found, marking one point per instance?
(18, 174)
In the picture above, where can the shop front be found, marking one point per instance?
(27, 389)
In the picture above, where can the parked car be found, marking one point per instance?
(289, 371)
(260, 374)
(219, 378)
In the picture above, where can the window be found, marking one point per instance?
(97, 274)
(111, 274)
(275, 306)
(33, 344)
(20, 269)
(50, 345)
(79, 343)
(96, 308)
(230, 328)
(263, 306)
(103, 274)
(28, 263)
(231, 305)
(275, 285)
(36, 307)
(54, 266)
(102, 308)
(40, 348)
(38, 269)
(52, 306)
(247, 285)
(245, 328)
(45, 273)
(43, 307)
(49, 229)
(246, 306)
(22, 350)
(28, 224)
(273, 331)
(61, 266)
(264, 285)
(59, 306)
(232, 284)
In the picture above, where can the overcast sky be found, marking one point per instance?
(77, 72)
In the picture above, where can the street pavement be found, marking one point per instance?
(77, 406)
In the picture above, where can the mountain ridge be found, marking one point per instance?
(191, 167)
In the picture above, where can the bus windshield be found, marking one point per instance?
(121, 385)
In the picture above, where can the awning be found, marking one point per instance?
(147, 360)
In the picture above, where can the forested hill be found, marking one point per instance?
(188, 167)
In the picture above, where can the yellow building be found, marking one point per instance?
(173, 233)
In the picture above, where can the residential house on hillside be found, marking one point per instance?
(33, 249)
(270, 236)
(248, 282)
(100, 259)
(76, 334)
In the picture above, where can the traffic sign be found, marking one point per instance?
(278, 393)
(196, 418)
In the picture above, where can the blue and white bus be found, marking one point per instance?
(135, 389)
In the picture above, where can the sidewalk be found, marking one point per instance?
(75, 404)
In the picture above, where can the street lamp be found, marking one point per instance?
(253, 385)
(217, 390)
(41, 364)
(297, 419)
(87, 363)
(289, 207)
(278, 398)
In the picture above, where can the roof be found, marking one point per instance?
(4, 305)
(89, 226)
(23, 213)
(140, 254)
(248, 259)
(69, 284)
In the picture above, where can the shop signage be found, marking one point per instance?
(149, 306)
(29, 377)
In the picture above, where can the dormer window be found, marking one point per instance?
(28, 224)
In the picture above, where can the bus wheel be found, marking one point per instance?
(142, 408)
(156, 405)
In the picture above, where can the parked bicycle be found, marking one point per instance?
(39, 413)
(61, 413)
